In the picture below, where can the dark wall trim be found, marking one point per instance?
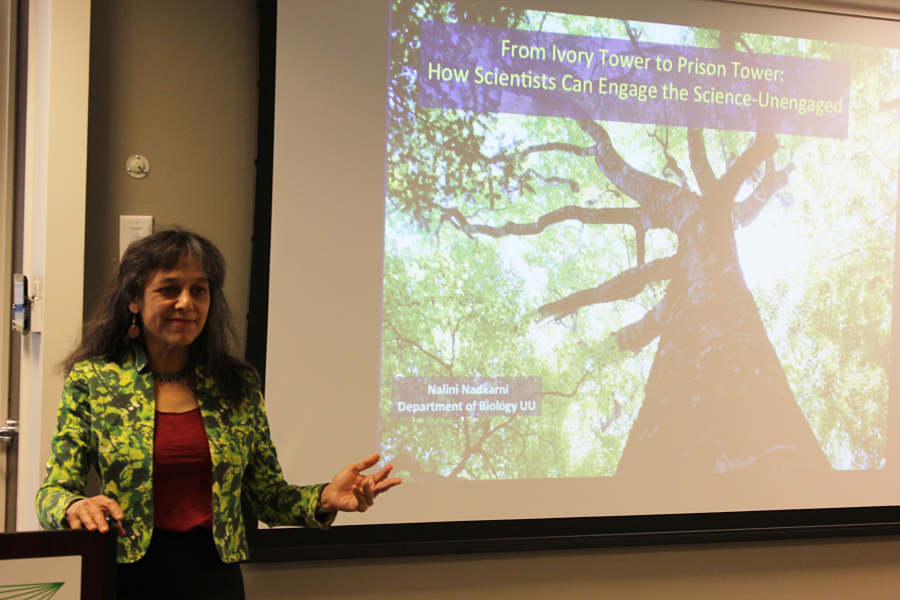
(258, 315)
(372, 541)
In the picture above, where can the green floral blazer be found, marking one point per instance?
(106, 419)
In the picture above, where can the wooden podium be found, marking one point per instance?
(41, 565)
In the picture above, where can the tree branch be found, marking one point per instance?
(560, 147)
(530, 174)
(637, 335)
(773, 181)
(606, 422)
(671, 163)
(588, 216)
(478, 446)
(504, 156)
(453, 342)
(625, 285)
(640, 237)
(410, 342)
(763, 146)
(703, 172)
(889, 104)
(730, 40)
(489, 431)
(568, 395)
(641, 187)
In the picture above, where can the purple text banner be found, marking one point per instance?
(491, 69)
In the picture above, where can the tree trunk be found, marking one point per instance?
(717, 398)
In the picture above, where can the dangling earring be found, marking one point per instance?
(134, 331)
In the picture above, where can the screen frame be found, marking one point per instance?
(397, 540)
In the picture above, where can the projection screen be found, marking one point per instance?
(586, 258)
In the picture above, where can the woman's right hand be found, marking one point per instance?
(90, 513)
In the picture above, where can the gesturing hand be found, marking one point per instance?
(90, 513)
(351, 491)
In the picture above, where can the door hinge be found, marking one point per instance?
(9, 432)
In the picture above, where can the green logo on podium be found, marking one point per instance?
(29, 591)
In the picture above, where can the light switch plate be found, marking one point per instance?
(132, 228)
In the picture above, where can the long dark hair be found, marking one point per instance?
(106, 331)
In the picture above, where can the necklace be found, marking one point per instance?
(172, 377)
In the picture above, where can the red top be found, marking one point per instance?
(182, 472)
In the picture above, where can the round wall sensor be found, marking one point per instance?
(137, 166)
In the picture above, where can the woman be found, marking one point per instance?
(176, 428)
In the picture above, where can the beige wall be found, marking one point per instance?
(175, 81)
(814, 570)
(53, 224)
(875, 8)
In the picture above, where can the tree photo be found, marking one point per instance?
(595, 266)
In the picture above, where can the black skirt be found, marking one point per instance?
(180, 565)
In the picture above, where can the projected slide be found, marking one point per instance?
(616, 249)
